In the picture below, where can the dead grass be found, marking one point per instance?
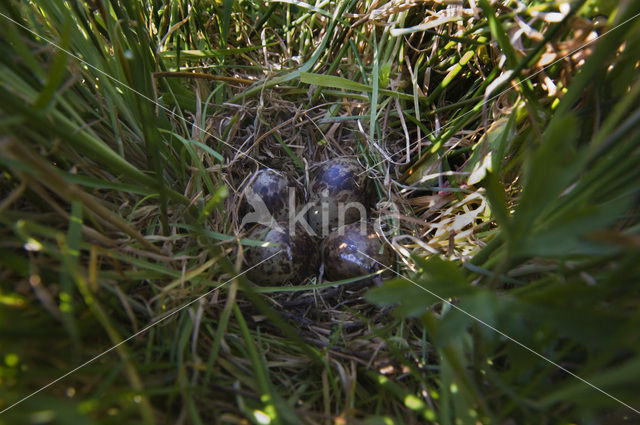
(93, 248)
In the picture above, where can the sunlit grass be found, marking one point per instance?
(502, 136)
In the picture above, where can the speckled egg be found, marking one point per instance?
(339, 188)
(354, 250)
(297, 256)
(273, 188)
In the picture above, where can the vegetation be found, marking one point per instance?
(503, 137)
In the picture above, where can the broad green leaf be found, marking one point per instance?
(552, 168)
(436, 281)
(621, 379)
(566, 235)
(489, 153)
(206, 54)
(332, 81)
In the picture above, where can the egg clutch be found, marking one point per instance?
(331, 228)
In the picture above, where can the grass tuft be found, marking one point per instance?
(502, 138)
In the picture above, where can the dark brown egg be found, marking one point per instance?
(272, 188)
(354, 250)
(339, 195)
(296, 256)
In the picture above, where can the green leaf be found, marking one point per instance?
(498, 201)
(332, 81)
(57, 71)
(482, 306)
(186, 55)
(498, 32)
(436, 281)
(552, 167)
(489, 153)
(566, 235)
(226, 19)
(213, 203)
(384, 75)
(623, 376)
(407, 398)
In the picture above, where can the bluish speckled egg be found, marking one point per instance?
(272, 187)
(354, 250)
(297, 256)
(339, 188)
